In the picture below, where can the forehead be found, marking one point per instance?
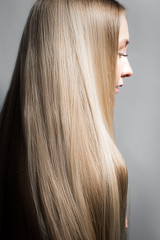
(123, 33)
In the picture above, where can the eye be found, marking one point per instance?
(122, 55)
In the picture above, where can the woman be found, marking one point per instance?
(62, 176)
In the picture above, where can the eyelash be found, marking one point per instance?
(122, 55)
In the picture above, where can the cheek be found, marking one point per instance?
(118, 72)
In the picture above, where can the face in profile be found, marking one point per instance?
(123, 67)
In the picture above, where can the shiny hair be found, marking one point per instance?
(61, 174)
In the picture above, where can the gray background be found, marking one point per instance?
(137, 119)
(137, 114)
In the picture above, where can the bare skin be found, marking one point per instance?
(126, 224)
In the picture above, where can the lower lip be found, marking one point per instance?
(117, 90)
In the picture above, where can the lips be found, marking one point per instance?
(117, 90)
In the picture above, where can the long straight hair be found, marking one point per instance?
(61, 174)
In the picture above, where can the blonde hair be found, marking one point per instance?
(61, 172)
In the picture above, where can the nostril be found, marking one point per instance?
(128, 74)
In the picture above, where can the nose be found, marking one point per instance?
(127, 70)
